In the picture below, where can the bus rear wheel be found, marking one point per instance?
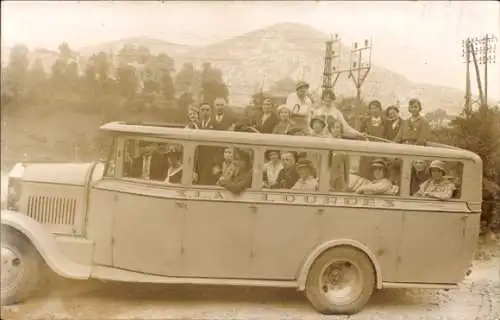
(21, 267)
(340, 281)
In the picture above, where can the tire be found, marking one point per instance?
(341, 267)
(20, 269)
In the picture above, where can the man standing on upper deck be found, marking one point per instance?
(300, 104)
(206, 121)
(222, 121)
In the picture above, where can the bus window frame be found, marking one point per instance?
(409, 160)
(119, 170)
(323, 183)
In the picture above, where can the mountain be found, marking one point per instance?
(296, 50)
(155, 46)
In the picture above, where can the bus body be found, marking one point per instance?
(92, 221)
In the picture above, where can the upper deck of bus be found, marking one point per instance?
(178, 132)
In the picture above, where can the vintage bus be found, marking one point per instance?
(174, 205)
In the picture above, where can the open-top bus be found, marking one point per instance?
(178, 224)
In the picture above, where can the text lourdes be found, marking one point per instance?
(291, 198)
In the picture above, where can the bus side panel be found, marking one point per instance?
(432, 247)
(286, 235)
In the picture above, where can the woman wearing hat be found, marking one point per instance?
(437, 186)
(318, 127)
(285, 120)
(380, 185)
(415, 129)
(393, 122)
(242, 177)
(306, 180)
(328, 110)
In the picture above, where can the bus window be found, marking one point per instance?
(382, 178)
(227, 167)
(153, 161)
(436, 179)
(285, 169)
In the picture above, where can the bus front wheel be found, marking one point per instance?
(20, 268)
(340, 281)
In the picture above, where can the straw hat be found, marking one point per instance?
(379, 163)
(301, 84)
(317, 118)
(437, 164)
(305, 164)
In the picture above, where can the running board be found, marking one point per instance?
(114, 274)
(410, 285)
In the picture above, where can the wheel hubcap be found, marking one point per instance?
(341, 282)
(12, 268)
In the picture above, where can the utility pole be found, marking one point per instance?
(332, 63)
(358, 70)
(483, 51)
(466, 53)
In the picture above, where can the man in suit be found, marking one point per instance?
(206, 121)
(222, 121)
(151, 164)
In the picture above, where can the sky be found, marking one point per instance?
(418, 39)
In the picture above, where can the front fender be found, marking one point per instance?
(45, 244)
(316, 252)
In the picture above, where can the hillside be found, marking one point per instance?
(155, 46)
(269, 54)
(298, 50)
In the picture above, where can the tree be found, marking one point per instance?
(212, 83)
(127, 81)
(126, 54)
(37, 80)
(184, 80)
(65, 71)
(17, 72)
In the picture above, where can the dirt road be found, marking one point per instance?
(478, 297)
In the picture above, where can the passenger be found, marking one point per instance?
(206, 121)
(222, 121)
(380, 185)
(318, 127)
(328, 109)
(151, 164)
(288, 176)
(437, 186)
(227, 168)
(300, 104)
(174, 172)
(272, 168)
(306, 181)
(268, 120)
(242, 178)
(419, 174)
(286, 123)
(393, 123)
(415, 129)
(193, 117)
(338, 162)
(375, 124)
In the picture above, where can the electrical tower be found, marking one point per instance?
(331, 71)
(358, 66)
(482, 50)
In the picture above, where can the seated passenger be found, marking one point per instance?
(174, 172)
(419, 174)
(288, 176)
(227, 169)
(306, 181)
(272, 168)
(150, 164)
(242, 178)
(380, 185)
(437, 186)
